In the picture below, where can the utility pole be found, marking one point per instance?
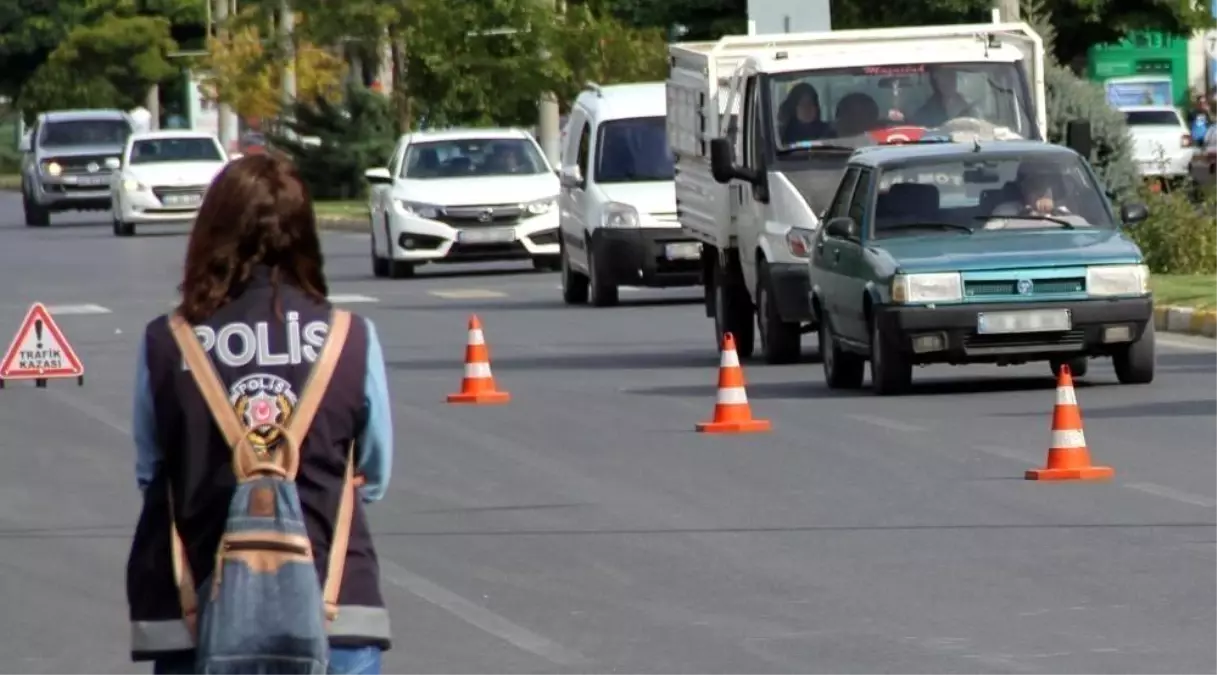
(1008, 9)
(228, 124)
(549, 126)
(287, 23)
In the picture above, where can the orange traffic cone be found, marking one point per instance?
(478, 384)
(1068, 458)
(732, 414)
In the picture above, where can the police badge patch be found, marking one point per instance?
(261, 401)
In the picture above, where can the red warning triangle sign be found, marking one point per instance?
(40, 351)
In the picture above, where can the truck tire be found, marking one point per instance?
(733, 312)
(1135, 363)
(781, 341)
(35, 215)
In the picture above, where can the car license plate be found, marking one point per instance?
(1027, 321)
(492, 235)
(87, 180)
(682, 251)
(183, 199)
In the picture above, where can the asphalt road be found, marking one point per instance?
(586, 528)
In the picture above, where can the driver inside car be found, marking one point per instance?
(1039, 193)
(946, 103)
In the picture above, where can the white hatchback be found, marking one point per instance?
(162, 177)
(463, 195)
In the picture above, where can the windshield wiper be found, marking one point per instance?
(1051, 219)
(819, 147)
(927, 225)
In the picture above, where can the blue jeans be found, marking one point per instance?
(343, 661)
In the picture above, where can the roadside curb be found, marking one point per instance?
(1186, 320)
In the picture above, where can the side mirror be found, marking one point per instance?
(841, 227)
(722, 160)
(113, 163)
(1133, 213)
(570, 177)
(24, 145)
(378, 176)
(1078, 137)
(232, 157)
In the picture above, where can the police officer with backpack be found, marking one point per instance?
(262, 428)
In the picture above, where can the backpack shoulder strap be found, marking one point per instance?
(336, 566)
(203, 371)
(318, 382)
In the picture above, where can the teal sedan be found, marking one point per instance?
(1006, 252)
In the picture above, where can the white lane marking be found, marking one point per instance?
(60, 310)
(479, 616)
(466, 294)
(886, 423)
(351, 298)
(1173, 494)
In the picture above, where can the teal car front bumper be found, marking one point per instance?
(949, 333)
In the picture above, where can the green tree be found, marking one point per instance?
(109, 63)
(703, 19)
(594, 46)
(1079, 23)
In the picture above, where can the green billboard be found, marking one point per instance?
(1143, 54)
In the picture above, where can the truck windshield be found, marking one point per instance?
(848, 102)
(84, 132)
(982, 193)
(634, 150)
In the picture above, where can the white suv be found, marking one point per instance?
(463, 195)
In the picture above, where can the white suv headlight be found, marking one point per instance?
(132, 185)
(539, 207)
(416, 209)
(616, 214)
(926, 288)
(1108, 280)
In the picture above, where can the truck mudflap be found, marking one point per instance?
(791, 291)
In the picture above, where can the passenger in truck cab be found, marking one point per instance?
(799, 116)
(857, 113)
(946, 103)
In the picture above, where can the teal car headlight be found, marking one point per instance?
(927, 288)
(1109, 280)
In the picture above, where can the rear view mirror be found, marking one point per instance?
(570, 177)
(722, 160)
(378, 176)
(1133, 213)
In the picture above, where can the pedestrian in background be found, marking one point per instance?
(254, 292)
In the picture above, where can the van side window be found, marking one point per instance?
(581, 155)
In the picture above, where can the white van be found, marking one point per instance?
(617, 206)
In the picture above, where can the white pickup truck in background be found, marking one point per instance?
(754, 200)
(1161, 144)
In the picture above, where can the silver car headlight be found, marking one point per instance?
(927, 288)
(416, 209)
(618, 215)
(539, 207)
(53, 168)
(1109, 280)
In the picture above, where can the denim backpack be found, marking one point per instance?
(263, 610)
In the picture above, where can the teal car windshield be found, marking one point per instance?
(985, 193)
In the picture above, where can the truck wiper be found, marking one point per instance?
(926, 225)
(1051, 219)
(818, 147)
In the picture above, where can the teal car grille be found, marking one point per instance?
(1009, 287)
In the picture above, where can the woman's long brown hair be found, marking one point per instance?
(256, 212)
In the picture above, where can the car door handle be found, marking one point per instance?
(836, 255)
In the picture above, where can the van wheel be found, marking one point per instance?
(574, 285)
(603, 292)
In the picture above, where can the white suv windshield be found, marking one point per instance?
(472, 157)
(847, 102)
(175, 150)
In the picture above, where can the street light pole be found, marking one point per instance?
(549, 124)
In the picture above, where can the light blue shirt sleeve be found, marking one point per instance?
(143, 423)
(374, 450)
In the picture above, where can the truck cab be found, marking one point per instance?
(762, 127)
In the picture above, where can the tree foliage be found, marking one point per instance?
(1079, 23)
(594, 46)
(703, 19)
(245, 68)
